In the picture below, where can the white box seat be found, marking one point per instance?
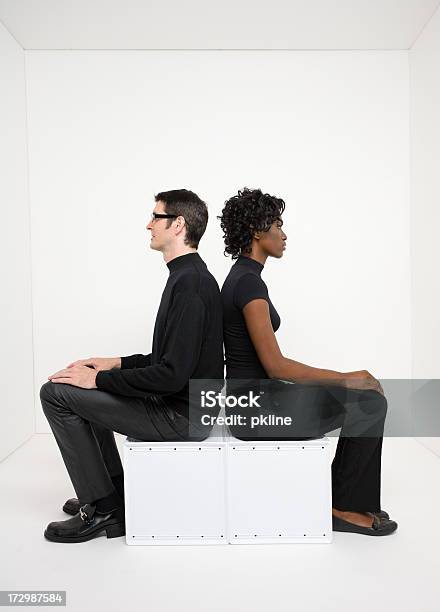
(227, 491)
(278, 491)
(175, 491)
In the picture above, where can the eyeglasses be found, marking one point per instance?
(155, 216)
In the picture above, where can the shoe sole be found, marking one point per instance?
(115, 530)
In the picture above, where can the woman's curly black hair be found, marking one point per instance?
(249, 211)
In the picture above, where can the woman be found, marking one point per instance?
(252, 226)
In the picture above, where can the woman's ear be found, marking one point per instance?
(256, 234)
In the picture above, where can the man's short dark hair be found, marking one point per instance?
(191, 207)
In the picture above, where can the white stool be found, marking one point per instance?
(175, 491)
(224, 490)
(278, 491)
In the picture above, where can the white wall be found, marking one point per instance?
(17, 401)
(327, 131)
(425, 212)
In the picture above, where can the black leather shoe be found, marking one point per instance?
(86, 525)
(72, 506)
(380, 527)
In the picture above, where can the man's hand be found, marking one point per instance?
(98, 363)
(78, 376)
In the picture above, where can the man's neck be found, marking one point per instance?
(172, 253)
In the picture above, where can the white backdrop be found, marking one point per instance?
(425, 212)
(16, 355)
(327, 131)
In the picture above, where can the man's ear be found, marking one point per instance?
(180, 223)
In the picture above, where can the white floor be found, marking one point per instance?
(399, 572)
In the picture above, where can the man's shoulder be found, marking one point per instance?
(196, 280)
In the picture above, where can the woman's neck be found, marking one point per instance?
(256, 255)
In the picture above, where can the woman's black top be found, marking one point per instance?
(242, 285)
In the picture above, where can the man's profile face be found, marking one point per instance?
(160, 234)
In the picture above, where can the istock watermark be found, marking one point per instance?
(277, 409)
(211, 399)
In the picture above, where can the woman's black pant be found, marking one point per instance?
(319, 409)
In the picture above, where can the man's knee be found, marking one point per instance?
(49, 392)
(46, 391)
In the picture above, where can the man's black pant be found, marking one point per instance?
(83, 422)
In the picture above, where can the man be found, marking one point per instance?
(142, 396)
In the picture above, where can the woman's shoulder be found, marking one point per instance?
(241, 276)
(249, 286)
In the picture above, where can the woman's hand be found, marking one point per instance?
(362, 379)
(98, 363)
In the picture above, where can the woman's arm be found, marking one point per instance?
(259, 326)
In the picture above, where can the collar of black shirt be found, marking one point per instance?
(189, 259)
(251, 263)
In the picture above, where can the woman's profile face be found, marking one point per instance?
(274, 240)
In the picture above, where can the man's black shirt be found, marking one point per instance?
(187, 339)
